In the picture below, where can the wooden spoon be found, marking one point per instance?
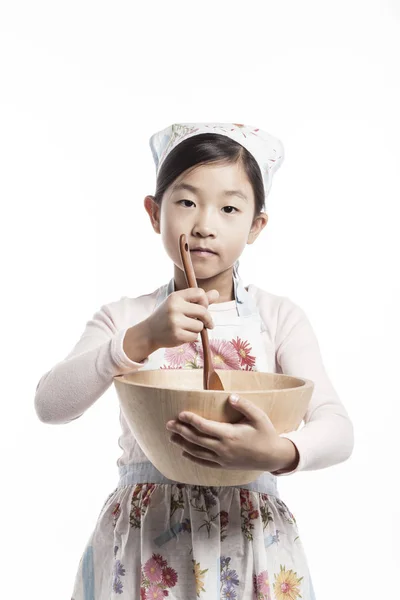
(211, 380)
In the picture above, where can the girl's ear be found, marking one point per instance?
(258, 225)
(153, 211)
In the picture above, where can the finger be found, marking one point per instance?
(191, 325)
(195, 311)
(195, 325)
(189, 434)
(194, 449)
(247, 408)
(207, 426)
(212, 296)
(194, 295)
(200, 461)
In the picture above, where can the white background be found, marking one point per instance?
(83, 86)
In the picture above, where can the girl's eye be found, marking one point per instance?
(184, 201)
(229, 213)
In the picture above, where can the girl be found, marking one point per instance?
(155, 537)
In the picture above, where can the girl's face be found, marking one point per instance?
(213, 204)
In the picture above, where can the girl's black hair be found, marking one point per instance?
(208, 148)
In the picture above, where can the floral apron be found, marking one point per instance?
(158, 538)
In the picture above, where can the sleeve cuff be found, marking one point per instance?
(300, 466)
(124, 363)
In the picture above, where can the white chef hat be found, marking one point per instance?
(266, 149)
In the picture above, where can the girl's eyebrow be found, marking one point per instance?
(195, 190)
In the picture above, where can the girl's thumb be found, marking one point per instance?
(213, 295)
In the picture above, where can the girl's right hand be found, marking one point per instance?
(181, 317)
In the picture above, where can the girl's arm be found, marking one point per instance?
(66, 391)
(327, 437)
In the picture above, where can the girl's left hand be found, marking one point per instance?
(252, 443)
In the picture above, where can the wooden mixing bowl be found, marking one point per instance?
(151, 398)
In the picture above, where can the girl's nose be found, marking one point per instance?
(203, 232)
(204, 227)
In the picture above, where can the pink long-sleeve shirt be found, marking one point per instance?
(71, 387)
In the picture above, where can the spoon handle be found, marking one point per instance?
(187, 262)
(192, 282)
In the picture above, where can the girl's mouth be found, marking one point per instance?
(205, 253)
